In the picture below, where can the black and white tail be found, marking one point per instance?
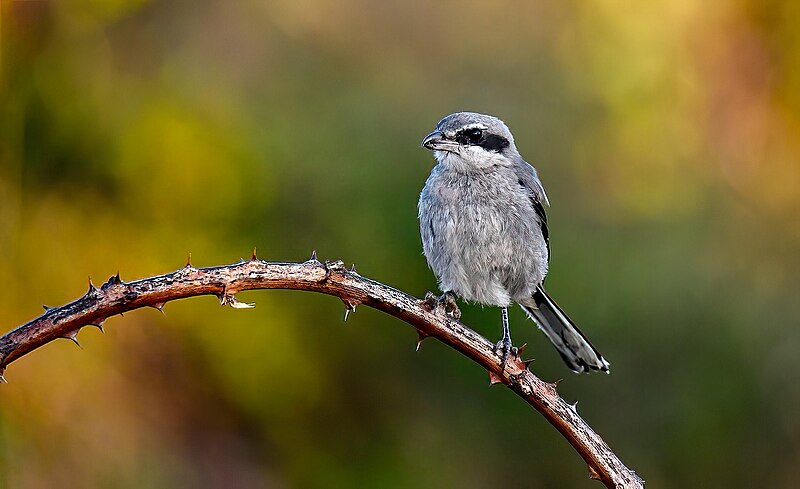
(576, 350)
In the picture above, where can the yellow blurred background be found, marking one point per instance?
(134, 131)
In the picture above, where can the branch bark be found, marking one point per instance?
(115, 297)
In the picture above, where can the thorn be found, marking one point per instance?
(73, 336)
(494, 378)
(420, 336)
(159, 306)
(99, 326)
(92, 289)
(111, 282)
(555, 384)
(574, 406)
(3, 379)
(593, 473)
(255, 256)
(521, 349)
(349, 306)
(232, 301)
(242, 305)
(528, 362)
(188, 261)
(47, 308)
(353, 269)
(313, 257)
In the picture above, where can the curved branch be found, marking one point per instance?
(115, 297)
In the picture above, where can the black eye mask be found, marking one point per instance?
(478, 137)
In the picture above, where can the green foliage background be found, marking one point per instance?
(135, 131)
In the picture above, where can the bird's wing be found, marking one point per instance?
(528, 179)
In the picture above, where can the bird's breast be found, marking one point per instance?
(482, 238)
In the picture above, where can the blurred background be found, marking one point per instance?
(133, 132)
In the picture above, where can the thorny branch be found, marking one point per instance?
(115, 297)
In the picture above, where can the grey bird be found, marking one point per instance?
(484, 232)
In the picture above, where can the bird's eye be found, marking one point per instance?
(474, 135)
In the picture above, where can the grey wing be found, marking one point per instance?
(539, 208)
(528, 179)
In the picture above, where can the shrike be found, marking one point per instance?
(484, 231)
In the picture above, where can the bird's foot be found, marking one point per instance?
(503, 349)
(446, 301)
(450, 305)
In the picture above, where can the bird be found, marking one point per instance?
(484, 233)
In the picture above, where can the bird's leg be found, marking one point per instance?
(503, 347)
(446, 301)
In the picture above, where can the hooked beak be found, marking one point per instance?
(436, 141)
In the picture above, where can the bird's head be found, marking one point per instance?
(468, 140)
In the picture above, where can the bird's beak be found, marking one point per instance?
(435, 141)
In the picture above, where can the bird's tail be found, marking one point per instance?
(576, 350)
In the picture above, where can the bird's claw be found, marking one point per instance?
(446, 302)
(450, 305)
(430, 302)
(504, 348)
